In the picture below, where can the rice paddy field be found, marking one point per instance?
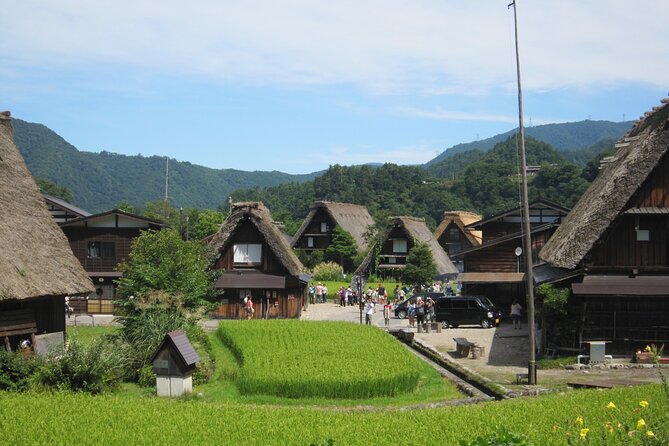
(304, 359)
(556, 419)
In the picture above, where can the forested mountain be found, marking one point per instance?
(487, 185)
(99, 181)
(567, 136)
(477, 176)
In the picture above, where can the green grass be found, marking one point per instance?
(298, 359)
(87, 334)
(545, 420)
(555, 363)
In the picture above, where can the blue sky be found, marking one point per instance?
(297, 85)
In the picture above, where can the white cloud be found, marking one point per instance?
(422, 46)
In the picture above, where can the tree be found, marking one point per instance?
(198, 224)
(162, 266)
(420, 268)
(342, 247)
(47, 187)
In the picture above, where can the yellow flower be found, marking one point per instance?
(579, 421)
(584, 433)
(641, 424)
(643, 403)
(647, 349)
(611, 405)
(650, 434)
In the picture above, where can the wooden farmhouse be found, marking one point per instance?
(100, 242)
(400, 236)
(38, 269)
(257, 260)
(453, 237)
(617, 236)
(495, 267)
(316, 230)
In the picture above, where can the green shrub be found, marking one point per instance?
(91, 368)
(327, 271)
(15, 370)
(146, 376)
(145, 331)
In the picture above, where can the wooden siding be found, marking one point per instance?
(387, 248)
(654, 192)
(79, 237)
(321, 239)
(49, 312)
(502, 258)
(619, 246)
(453, 243)
(246, 232)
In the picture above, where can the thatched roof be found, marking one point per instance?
(460, 219)
(258, 214)
(418, 230)
(351, 217)
(608, 196)
(35, 256)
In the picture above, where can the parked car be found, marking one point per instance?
(402, 307)
(453, 311)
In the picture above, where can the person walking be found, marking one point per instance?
(387, 307)
(420, 311)
(312, 293)
(429, 310)
(325, 293)
(411, 312)
(319, 292)
(515, 314)
(249, 309)
(369, 312)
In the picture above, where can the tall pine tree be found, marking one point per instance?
(420, 268)
(343, 247)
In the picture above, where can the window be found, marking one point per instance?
(392, 260)
(101, 249)
(310, 242)
(247, 253)
(400, 245)
(454, 234)
(324, 227)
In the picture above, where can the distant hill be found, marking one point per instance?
(569, 136)
(99, 181)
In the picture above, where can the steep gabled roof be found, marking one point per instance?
(608, 196)
(417, 229)
(460, 219)
(35, 256)
(351, 217)
(258, 214)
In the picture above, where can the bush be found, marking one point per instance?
(90, 368)
(328, 271)
(145, 331)
(15, 371)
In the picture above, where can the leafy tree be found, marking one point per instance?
(162, 262)
(47, 187)
(420, 268)
(342, 248)
(199, 224)
(562, 184)
(125, 206)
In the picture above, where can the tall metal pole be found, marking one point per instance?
(532, 366)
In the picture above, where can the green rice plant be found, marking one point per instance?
(300, 359)
(114, 420)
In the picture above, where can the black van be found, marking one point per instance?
(453, 311)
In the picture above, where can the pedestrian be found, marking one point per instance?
(319, 292)
(387, 307)
(312, 293)
(420, 311)
(369, 311)
(429, 310)
(249, 308)
(381, 293)
(411, 312)
(396, 294)
(325, 293)
(515, 314)
(449, 289)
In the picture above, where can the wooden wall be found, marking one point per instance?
(454, 243)
(620, 247)
(654, 192)
(321, 239)
(49, 311)
(502, 258)
(80, 236)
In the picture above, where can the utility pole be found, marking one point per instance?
(532, 366)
